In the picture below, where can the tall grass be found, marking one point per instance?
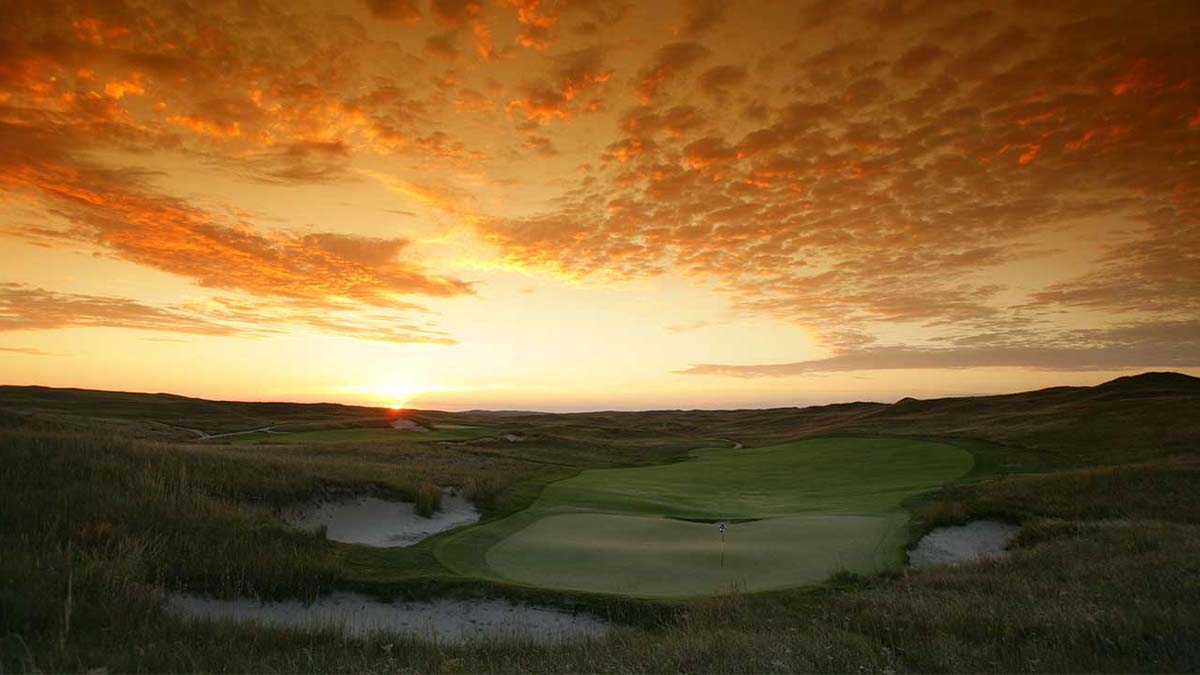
(94, 529)
(428, 498)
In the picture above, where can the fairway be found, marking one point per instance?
(802, 511)
(356, 435)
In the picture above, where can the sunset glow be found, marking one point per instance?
(597, 204)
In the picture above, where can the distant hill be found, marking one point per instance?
(167, 416)
(504, 413)
(1145, 416)
(1161, 382)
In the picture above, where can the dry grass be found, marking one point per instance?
(1106, 576)
(428, 498)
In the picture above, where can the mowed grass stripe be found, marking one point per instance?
(658, 557)
(859, 475)
(821, 505)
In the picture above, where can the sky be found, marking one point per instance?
(597, 204)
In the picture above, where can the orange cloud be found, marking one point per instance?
(827, 165)
(1110, 134)
(393, 10)
(24, 307)
(1030, 153)
(28, 351)
(116, 212)
(226, 85)
(668, 62)
(28, 308)
(1170, 344)
(455, 12)
(532, 12)
(268, 318)
(119, 88)
(916, 60)
(701, 16)
(718, 80)
(579, 72)
(483, 41)
(207, 127)
(855, 199)
(1141, 77)
(535, 22)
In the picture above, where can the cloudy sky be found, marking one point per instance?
(597, 203)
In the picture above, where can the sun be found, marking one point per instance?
(395, 396)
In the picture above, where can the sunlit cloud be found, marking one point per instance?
(915, 183)
(27, 308)
(173, 236)
(27, 351)
(1172, 345)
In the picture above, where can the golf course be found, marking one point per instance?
(135, 544)
(795, 514)
(368, 435)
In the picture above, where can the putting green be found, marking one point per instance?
(804, 510)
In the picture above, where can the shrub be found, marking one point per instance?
(428, 499)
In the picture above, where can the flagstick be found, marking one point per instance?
(722, 545)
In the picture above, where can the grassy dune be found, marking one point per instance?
(1104, 578)
(353, 435)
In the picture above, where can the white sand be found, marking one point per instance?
(977, 540)
(358, 615)
(379, 522)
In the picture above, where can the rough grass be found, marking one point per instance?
(351, 435)
(1106, 576)
(428, 499)
(1078, 602)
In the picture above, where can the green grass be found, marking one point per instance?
(659, 557)
(841, 474)
(361, 435)
(1105, 576)
(817, 506)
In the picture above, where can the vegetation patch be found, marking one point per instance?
(806, 509)
(353, 435)
(96, 530)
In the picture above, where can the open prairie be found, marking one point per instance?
(352, 435)
(610, 516)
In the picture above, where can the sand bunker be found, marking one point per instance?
(977, 540)
(379, 522)
(356, 615)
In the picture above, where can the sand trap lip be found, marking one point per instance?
(372, 521)
(444, 620)
(976, 540)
